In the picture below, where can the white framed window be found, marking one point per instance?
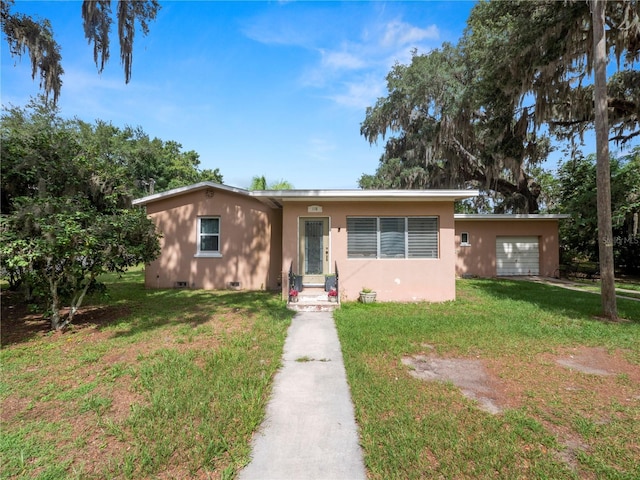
(392, 237)
(208, 237)
(464, 239)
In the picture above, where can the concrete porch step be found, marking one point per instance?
(313, 307)
(313, 299)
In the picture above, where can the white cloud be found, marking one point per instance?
(281, 35)
(379, 47)
(351, 70)
(83, 80)
(293, 28)
(342, 60)
(400, 34)
(334, 65)
(360, 93)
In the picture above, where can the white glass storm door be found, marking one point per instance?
(314, 250)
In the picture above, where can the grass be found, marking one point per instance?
(623, 288)
(173, 383)
(152, 381)
(628, 284)
(559, 424)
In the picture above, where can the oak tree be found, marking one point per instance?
(448, 129)
(25, 34)
(558, 52)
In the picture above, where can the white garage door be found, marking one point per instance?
(517, 256)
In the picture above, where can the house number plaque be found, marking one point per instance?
(314, 209)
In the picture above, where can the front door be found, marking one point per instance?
(314, 250)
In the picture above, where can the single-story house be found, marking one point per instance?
(407, 245)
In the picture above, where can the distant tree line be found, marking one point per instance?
(33, 138)
(571, 191)
(259, 182)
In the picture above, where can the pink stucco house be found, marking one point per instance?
(407, 245)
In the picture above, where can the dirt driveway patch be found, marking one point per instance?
(491, 383)
(593, 361)
(469, 375)
(569, 387)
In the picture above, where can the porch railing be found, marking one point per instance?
(295, 281)
(291, 278)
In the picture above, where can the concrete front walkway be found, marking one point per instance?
(309, 431)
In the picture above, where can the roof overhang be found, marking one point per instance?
(280, 197)
(276, 198)
(188, 189)
(479, 217)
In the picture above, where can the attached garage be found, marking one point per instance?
(505, 245)
(517, 256)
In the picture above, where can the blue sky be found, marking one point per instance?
(256, 88)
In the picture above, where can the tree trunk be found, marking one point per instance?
(56, 323)
(603, 174)
(76, 303)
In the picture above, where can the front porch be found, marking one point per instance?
(313, 299)
(304, 296)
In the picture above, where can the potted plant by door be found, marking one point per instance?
(293, 295)
(367, 295)
(333, 295)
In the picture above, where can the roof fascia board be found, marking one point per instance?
(280, 196)
(275, 198)
(510, 217)
(188, 189)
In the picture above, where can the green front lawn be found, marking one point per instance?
(555, 422)
(146, 382)
(173, 383)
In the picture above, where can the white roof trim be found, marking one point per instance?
(189, 188)
(511, 217)
(363, 195)
(275, 198)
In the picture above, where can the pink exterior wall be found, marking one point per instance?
(250, 241)
(479, 258)
(392, 279)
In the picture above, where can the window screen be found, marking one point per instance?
(362, 240)
(423, 237)
(392, 237)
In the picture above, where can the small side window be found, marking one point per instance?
(208, 237)
(464, 239)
